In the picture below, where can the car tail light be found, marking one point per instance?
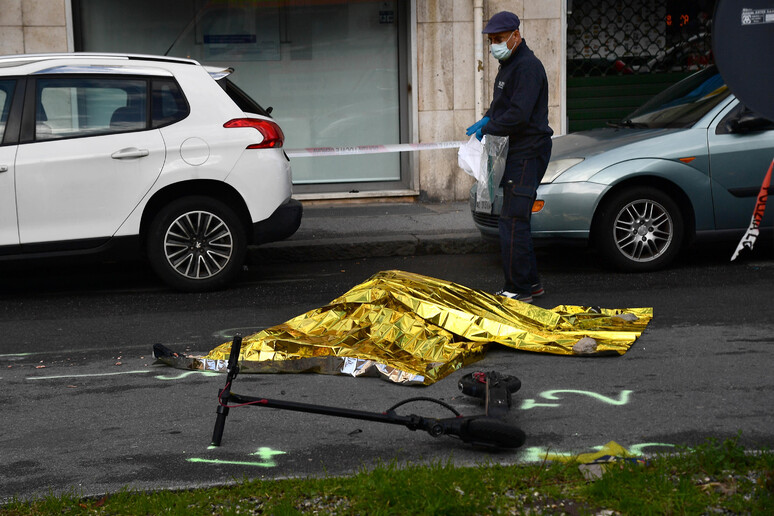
(273, 137)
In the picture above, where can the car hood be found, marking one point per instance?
(586, 144)
(601, 148)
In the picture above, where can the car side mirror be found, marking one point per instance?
(748, 123)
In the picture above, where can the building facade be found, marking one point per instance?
(338, 73)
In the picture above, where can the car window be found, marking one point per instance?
(684, 103)
(241, 99)
(6, 94)
(169, 103)
(74, 107)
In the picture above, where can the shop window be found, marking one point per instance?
(335, 73)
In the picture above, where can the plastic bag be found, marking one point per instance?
(469, 157)
(485, 161)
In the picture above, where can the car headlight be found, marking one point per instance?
(558, 167)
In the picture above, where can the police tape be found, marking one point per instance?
(369, 149)
(748, 240)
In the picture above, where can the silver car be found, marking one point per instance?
(687, 165)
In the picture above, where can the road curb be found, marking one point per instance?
(370, 247)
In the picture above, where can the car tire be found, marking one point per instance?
(639, 229)
(196, 244)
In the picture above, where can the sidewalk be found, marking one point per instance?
(331, 232)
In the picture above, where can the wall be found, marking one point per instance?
(445, 67)
(29, 26)
(445, 81)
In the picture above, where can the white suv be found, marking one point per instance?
(106, 152)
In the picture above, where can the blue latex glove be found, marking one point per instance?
(479, 134)
(476, 128)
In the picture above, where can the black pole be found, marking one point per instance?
(479, 430)
(225, 395)
(379, 417)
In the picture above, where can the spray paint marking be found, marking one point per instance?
(229, 333)
(551, 395)
(187, 373)
(637, 448)
(538, 454)
(234, 462)
(84, 375)
(266, 455)
(158, 377)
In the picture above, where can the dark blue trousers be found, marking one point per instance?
(520, 181)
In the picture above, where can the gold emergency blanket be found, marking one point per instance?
(410, 328)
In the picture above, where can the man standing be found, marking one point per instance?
(519, 110)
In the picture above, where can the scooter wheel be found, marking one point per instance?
(474, 384)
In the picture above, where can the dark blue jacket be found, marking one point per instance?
(519, 106)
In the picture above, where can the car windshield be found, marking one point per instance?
(682, 104)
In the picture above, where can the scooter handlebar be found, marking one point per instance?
(479, 430)
(233, 357)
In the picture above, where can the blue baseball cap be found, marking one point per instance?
(502, 22)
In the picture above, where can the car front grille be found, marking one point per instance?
(485, 219)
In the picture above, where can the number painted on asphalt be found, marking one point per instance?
(529, 403)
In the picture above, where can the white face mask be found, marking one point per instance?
(500, 51)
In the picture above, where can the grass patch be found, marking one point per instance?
(713, 477)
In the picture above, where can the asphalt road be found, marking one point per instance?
(85, 409)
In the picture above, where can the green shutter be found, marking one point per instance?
(594, 101)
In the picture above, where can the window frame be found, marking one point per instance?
(10, 134)
(68, 81)
(28, 120)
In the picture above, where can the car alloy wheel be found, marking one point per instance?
(643, 230)
(638, 228)
(198, 245)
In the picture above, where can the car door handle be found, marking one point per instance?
(3, 168)
(130, 153)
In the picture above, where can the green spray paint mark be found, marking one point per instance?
(234, 462)
(230, 332)
(636, 449)
(266, 455)
(187, 373)
(552, 395)
(84, 375)
(538, 454)
(90, 375)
